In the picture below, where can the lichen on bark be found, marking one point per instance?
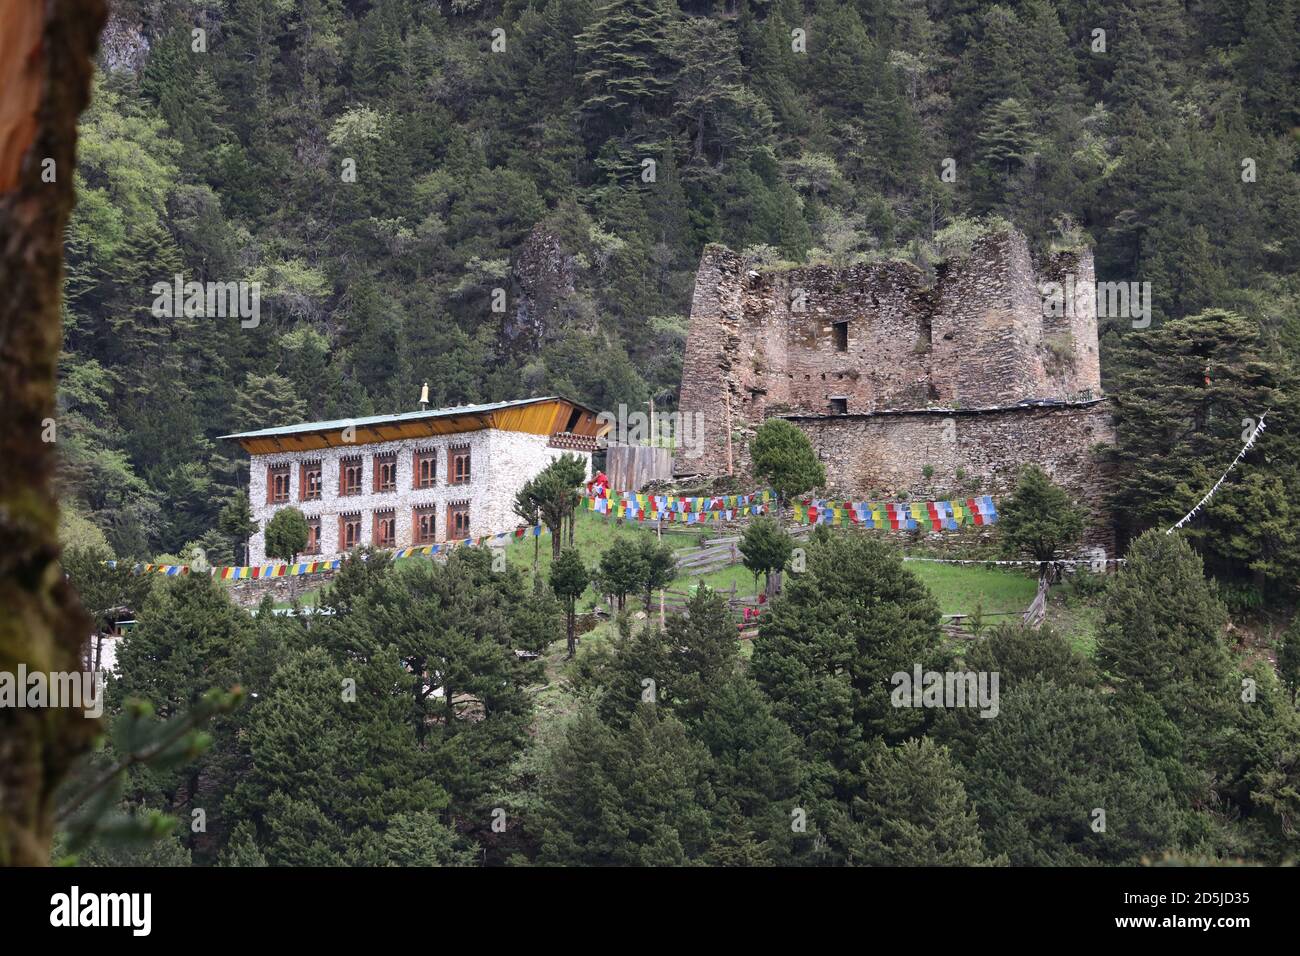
(46, 51)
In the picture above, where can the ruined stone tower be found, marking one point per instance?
(905, 387)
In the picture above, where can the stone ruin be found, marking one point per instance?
(908, 388)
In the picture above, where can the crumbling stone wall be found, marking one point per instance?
(968, 372)
(926, 455)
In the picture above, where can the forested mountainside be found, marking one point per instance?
(504, 146)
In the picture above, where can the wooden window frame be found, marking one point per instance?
(273, 475)
(424, 511)
(344, 465)
(419, 458)
(344, 521)
(455, 475)
(455, 509)
(377, 520)
(377, 465)
(313, 536)
(304, 486)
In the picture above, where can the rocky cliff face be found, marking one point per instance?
(544, 276)
(123, 47)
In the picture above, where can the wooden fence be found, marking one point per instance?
(632, 467)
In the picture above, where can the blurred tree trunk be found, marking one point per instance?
(45, 69)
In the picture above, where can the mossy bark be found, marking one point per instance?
(46, 48)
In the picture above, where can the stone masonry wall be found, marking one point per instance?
(764, 344)
(966, 375)
(886, 456)
(500, 463)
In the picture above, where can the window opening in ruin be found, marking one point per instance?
(839, 406)
(840, 331)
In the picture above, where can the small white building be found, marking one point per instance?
(398, 481)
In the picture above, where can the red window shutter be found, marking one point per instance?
(302, 482)
(270, 484)
(415, 469)
(342, 525)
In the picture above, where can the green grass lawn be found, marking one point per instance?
(957, 587)
(592, 535)
(1077, 620)
(960, 587)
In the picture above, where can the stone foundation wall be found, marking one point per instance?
(249, 594)
(888, 456)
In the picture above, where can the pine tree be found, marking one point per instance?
(1288, 659)
(1161, 645)
(1048, 763)
(286, 534)
(912, 811)
(1187, 396)
(783, 457)
(189, 639)
(1004, 144)
(1039, 519)
(758, 773)
(626, 67)
(765, 548)
(702, 651)
(582, 817)
(569, 578)
(455, 627)
(242, 848)
(827, 650)
(640, 798)
(334, 760)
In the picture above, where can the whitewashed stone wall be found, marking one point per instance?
(500, 463)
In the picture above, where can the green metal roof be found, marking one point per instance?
(309, 427)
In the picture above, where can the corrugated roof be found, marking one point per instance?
(309, 427)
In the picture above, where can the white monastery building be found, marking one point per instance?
(398, 481)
